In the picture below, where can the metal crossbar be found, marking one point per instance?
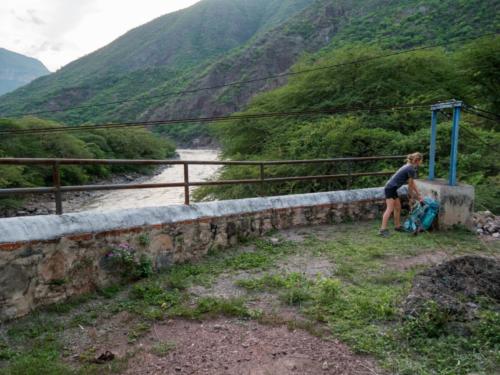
(57, 189)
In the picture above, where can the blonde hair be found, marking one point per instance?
(413, 158)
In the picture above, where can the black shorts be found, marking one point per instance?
(391, 193)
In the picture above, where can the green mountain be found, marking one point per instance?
(220, 41)
(160, 54)
(17, 70)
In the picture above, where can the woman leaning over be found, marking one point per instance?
(405, 175)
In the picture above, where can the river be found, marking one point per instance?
(122, 199)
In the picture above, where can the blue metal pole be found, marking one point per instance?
(432, 151)
(454, 146)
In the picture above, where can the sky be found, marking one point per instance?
(59, 31)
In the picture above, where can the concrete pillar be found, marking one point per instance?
(456, 202)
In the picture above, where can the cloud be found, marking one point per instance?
(47, 46)
(59, 31)
(30, 17)
(34, 18)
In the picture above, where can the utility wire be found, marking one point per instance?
(491, 147)
(482, 110)
(497, 121)
(245, 82)
(332, 111)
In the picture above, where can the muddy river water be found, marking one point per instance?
(122, 199)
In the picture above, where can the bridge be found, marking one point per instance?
(46, 259)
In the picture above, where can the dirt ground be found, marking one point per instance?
(229, 346)
(283, 340)
(244, 347)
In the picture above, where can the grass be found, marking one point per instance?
(162, 348)
(359, 305)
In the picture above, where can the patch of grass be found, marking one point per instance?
(210, 306)
(110, 291)
(266, 282)
(37, 362)
(246, 261)
(162, 348)
(139, 330)
(41, 357)
(183, 275)
(295, 296)
(85, 319)
(153, 293)
(144, 239)
(35, 326)
(68, 305)
(6, 352)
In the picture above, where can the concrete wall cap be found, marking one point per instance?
(42, 228)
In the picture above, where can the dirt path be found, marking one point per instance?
(243, 347)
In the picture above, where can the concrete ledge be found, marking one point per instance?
(47, 259)
(43, 228)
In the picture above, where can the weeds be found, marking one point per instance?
(131, 266)
(162, 348)
(139, 330)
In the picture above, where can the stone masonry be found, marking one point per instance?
(46, 259)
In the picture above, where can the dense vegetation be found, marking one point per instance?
(220, 41)
(102, 144)
(469, 73)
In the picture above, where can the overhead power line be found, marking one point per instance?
(482, 110)
(331, 111)
(474, 113)
(245, 82)
(493, 149)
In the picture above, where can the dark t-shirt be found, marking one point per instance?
(401, 177)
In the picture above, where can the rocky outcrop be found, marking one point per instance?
(487, 224)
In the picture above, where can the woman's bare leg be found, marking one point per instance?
(387, 213)
(397, 212)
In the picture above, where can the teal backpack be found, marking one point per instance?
(422, 216)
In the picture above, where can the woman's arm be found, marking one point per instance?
(412, 189)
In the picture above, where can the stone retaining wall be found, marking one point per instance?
(45, 259)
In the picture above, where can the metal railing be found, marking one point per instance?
(57, 189)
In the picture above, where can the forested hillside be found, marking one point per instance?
(470, 73)
(98, 144)
(221, 41)
(17, 70)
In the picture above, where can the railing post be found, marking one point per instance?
(56, 178)
(454, 146)
(262, 179)
(186, 184)
(432, 150)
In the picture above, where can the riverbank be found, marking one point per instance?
(105, 200)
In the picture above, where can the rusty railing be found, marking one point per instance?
(57, 189)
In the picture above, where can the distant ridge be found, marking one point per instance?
(17, 70)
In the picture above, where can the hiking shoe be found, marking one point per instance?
(399, 229)
(384, 233)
